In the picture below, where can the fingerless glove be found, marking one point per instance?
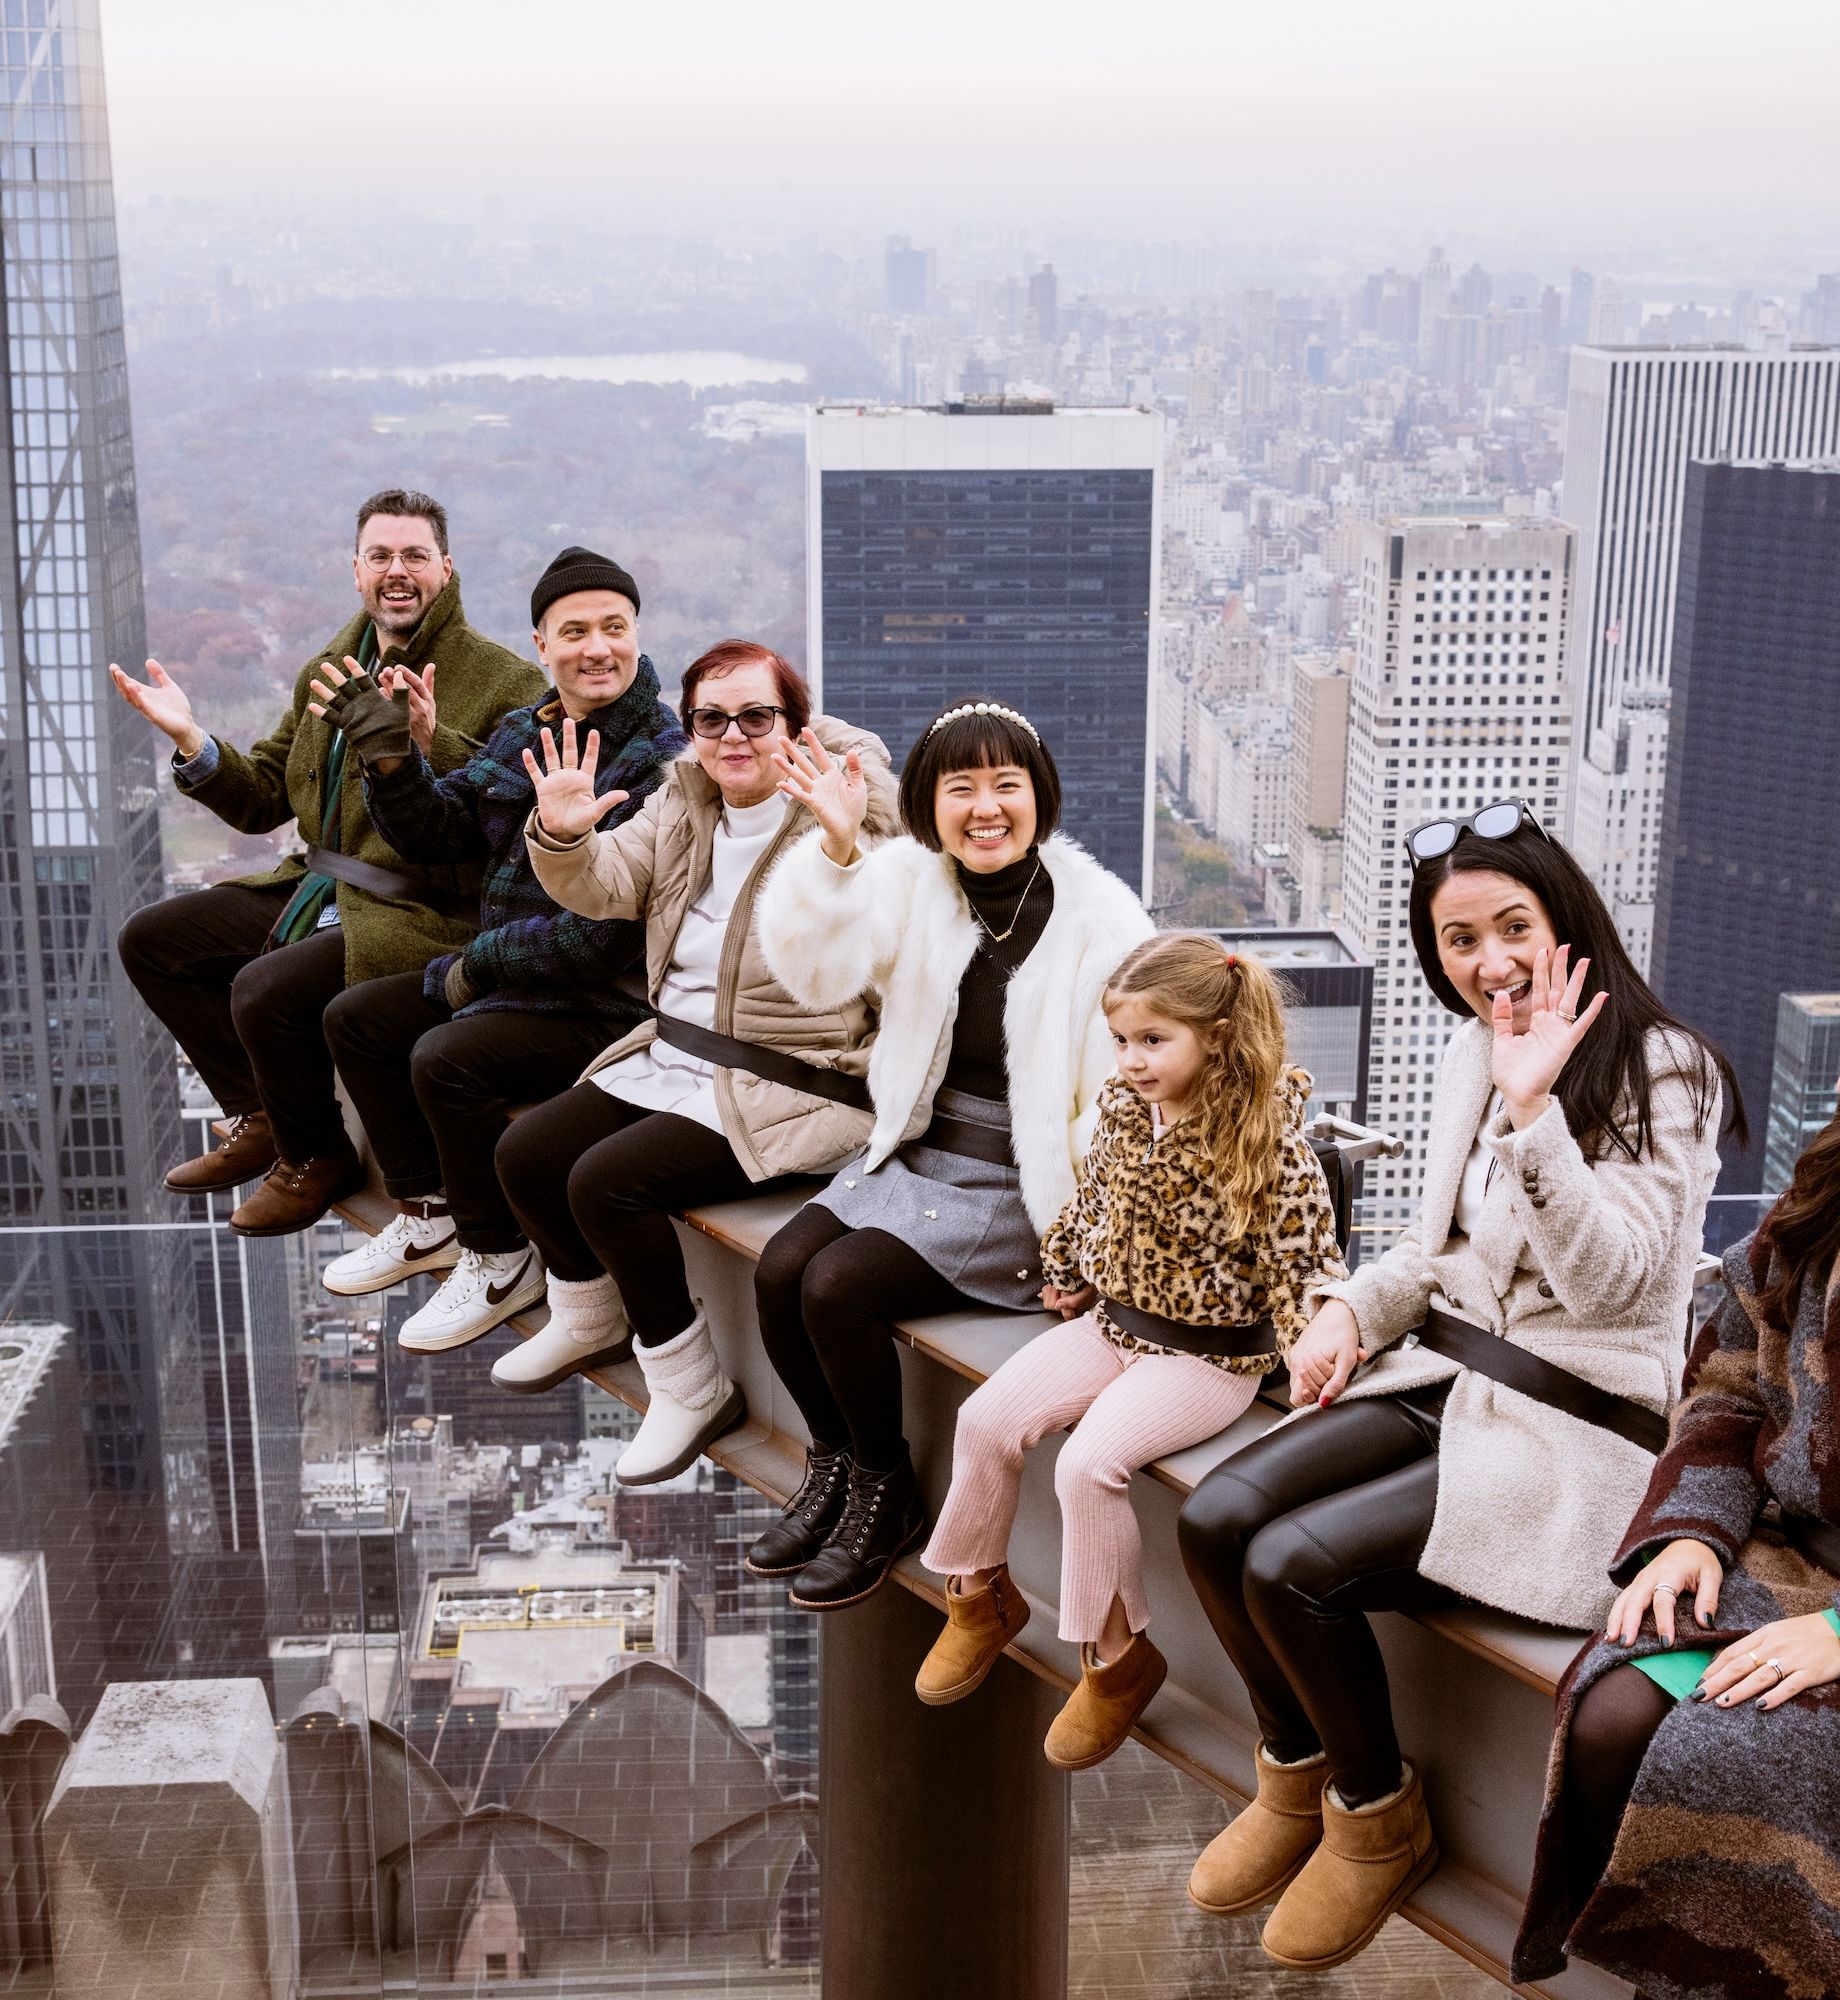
(376, 727)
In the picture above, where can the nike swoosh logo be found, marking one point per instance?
(417, 1251)
(496, 1295)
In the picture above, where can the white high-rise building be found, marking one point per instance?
(1459, 699)
(1636, 417)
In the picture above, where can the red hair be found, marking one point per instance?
(729, 654)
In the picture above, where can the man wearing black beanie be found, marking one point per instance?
(434, 1060)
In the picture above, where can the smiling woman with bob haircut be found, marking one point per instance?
(1497, 1455)
(985, 939)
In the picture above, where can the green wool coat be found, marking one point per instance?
(279, 779)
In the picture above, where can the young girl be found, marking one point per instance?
(1182, 1262)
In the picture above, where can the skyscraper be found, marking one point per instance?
(1635, 419)
(1748, 902)
(1805, 1080)
(1459, 699)
(1008, 551)
(89, 1101)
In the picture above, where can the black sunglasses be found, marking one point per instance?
(1490, 822)
(755, 720)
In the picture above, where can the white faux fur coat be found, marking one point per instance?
(1587, 1264)
(895, 924)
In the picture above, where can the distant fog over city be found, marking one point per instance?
(1681, 125)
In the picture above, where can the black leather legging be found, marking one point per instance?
(1290, 1543)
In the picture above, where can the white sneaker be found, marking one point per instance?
(485, 1288)
(410, 1244)
(692, 1404)
(587, 1329)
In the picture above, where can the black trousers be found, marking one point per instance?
(432, 1092)
(1290, 1542)
(593, 1182)
(828, 1296)
(251, 1021)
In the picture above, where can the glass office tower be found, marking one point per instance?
(997, 549)
(89, 1105)
(1748, 903)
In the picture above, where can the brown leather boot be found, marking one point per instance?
(981, 1620)
(1253, 1861)
(1371, 1859)
(244, 1153)
(293, 1198)
(1108, 1700)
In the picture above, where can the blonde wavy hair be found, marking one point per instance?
(1235, 1005)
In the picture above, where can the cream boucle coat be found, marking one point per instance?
(1587, 1264)
(895, 924)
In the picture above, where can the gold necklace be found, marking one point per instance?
(998, 937)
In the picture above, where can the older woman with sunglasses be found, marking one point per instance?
(735, 1084)
(1480, 1407)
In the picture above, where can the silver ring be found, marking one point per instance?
(1564, 1016)
(1666, 1590)
(1782, 1672)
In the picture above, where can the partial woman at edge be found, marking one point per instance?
(1691, 1836)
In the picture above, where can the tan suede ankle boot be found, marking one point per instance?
(1371, 1859)
(981, 1619)
(1253, 1861)
(1101, 1710)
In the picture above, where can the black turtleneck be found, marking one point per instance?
(1022, 893)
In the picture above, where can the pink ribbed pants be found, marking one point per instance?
(1126, 1409)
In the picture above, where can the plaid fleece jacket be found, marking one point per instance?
(530, 954)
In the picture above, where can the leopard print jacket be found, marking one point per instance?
(1145, 1228)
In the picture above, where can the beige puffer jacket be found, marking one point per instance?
(654, 867)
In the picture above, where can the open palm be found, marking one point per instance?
(836, 795)
(1526, 1066)
(567, 805)
(159, 698)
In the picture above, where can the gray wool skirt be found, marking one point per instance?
(964, 1216)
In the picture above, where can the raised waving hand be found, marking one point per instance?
(836, 795)
(566, 803)
(1526, 1066)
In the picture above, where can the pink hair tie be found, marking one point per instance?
(1232, 958)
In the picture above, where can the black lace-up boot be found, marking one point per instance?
(882, 1516)
(806, 1520)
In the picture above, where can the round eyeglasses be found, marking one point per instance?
(413, 560)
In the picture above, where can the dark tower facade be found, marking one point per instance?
(1748, 903)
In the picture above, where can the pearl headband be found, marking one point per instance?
(986, 708)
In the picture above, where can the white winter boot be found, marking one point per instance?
(587, 1329)
(692, 1404)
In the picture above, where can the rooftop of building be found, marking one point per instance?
(27, 1350)
(986, 406)
(1294, 949)
(1644, 349)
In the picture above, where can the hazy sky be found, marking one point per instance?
(1627, 115)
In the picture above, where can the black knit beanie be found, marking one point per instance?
(579, 569)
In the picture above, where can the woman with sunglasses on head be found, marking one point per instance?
(987, 939)
(1481, 1405)
(711, 1099)
(1691, 1836)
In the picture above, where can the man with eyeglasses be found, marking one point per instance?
(242, 973)
(435, 1059)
